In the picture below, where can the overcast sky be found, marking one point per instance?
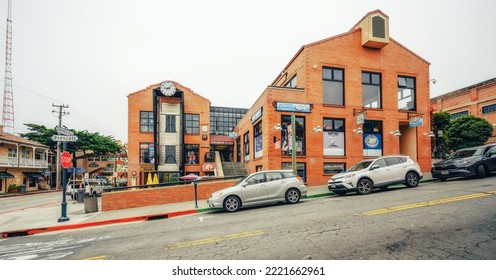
(91, 54)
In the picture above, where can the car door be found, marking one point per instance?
(491, 158)
(379, 172)
(397, 171)
(254, 189)
(275, 185)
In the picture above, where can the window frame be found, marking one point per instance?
(371, 83)
(333, 80)
(148, 118)
(406, 87)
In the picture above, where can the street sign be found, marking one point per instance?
(63, 131)
(66, 159)
(65, 138)
(77, 170)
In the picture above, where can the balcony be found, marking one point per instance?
(6, 161)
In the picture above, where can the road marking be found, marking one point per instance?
(95, 258)
(215, 239)
(426, 203)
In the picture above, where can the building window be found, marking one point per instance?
(146, 121)
(224, 119)
(257, 140)
(147, 153)
(246, 146)
(334, 137)
(489, 109)
(331, 168)
(333, 86)
(25, 153)
(292, 83)
(371, 90)
(192, 153)
(372, 138)
(459, 114)
(12, 152)
(406, 93)
(300, 169)
(287, 138)
(170, 154)
(170, 123)
(192, 124)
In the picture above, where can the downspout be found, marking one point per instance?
(183, 146)
(155, 131)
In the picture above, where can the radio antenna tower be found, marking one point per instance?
(8, 94)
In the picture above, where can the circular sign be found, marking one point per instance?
(66, 159)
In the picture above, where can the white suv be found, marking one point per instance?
(381, 172)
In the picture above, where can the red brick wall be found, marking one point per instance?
(346, 52)
(158, 196)
(472, 98)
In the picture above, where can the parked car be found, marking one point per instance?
(367, 175)
(476, 161)
(260, 188)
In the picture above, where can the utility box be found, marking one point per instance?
(90, 204)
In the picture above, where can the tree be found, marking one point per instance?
(90, 144)
(468, 131)
(441, 122)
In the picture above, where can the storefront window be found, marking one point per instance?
(147, 153)
(246, 145)
(372, 138)
(331, 168)
(192, 152)
(257, 138)
(287, 137)
(334, 137)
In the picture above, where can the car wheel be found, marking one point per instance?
(292, 196)
(365, 186)
(412, 179)
(339, 192)
(231, 204)
(481, 171)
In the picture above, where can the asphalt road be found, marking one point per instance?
(453, 220)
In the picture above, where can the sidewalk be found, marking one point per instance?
(45, 219)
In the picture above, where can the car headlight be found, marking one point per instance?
(217, 194)
(347, 177)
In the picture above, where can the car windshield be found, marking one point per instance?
(359, 166)
(466, 153)
(238, 182)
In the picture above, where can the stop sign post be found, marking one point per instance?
(66, 159)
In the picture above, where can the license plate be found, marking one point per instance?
(444, 172)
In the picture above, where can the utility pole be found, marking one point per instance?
(60, 113)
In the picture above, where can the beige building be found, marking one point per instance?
(22, 162)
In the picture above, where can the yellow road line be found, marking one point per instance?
(215, 239)
(95, 258)
(427, 203)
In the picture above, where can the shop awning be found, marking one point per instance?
(5, 175)
(33, 174)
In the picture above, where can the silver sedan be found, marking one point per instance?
(260, 188)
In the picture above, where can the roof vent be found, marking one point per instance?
(375, 30)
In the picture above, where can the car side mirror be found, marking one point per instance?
(375, 166)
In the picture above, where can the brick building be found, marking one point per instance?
(478, 100)
(173, 131)
(355, 95)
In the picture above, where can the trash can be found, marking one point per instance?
(22, 188)
(80, 196)
(90, 204)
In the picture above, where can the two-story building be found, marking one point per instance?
(359, 94)
(22, 162)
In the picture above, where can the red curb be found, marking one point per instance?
(25, 232)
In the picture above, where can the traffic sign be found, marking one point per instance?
(66, 159)
(63, 131)
(65, 138)
(76, 170)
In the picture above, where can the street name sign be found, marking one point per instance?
(63, 131)
(65, 138)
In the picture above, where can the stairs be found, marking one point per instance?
(234, 169)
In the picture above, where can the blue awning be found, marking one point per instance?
(33, 174)
(5, 175)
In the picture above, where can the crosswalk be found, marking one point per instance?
(46, 250)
